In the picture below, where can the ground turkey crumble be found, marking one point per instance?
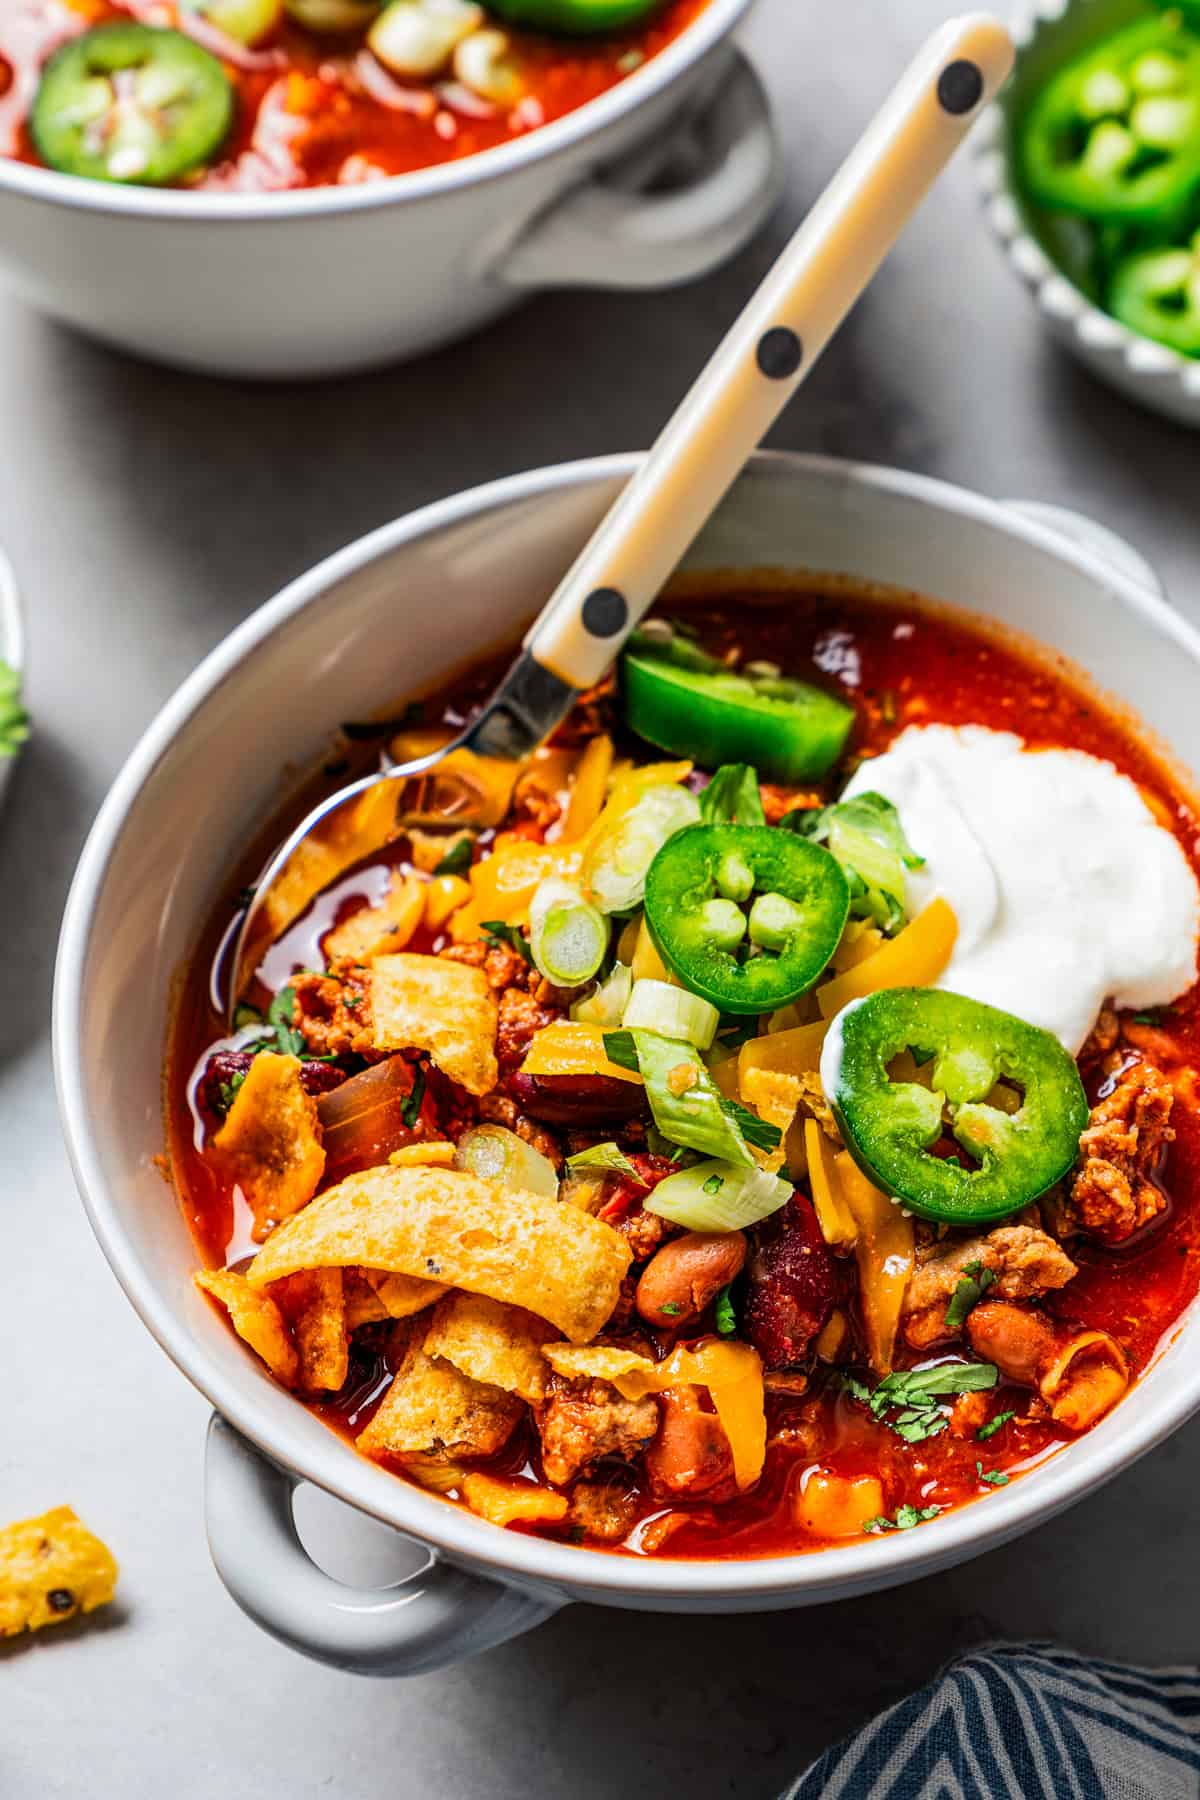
(1114, 1193)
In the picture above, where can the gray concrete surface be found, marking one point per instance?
(147, 513)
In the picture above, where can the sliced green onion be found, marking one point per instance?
(617, 871)
(718, 1196)
(496, 1154)
(606, 1004)
(603, 1156)
(672, 1012)
(733, 797)
(568, 938)
(686, 1103)
(865, 836)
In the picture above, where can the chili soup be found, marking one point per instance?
(251, 96)
(764, 1117)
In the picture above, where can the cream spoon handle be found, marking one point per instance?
(770, 349)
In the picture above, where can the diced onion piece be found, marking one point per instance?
(672, 1012)
(914, 959)
(831, 1505)
(605, 1005)
(718, 1196)
(568, 938)
(621, 854)
(484, 63)
(417, 38)
(566, 1048)
(496, 1154)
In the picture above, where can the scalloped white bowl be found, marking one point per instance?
(1047, 34)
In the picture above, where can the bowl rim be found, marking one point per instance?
(451, 1529)
(717, 20)
(1059, 301)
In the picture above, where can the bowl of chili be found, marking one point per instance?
(187, 803)
(291, 206)
(1089, 171)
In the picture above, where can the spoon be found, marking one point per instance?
(763, 359)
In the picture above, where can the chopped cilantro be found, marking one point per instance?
(1153, 1015)
(14, 720)
(756, 1131)
(410, 1106)
(906, 1517)
(713, 1185)
(499, 931)
(352, 1002)
(227, 1090)
(732, 797)
(912, 1395)
(671, 1307)
(620, 1048)
(993, 1477)
(972, 1286)
(733, 1031)
(726, 1318)
(281, 1014)
(457, 859)
(993, 1426)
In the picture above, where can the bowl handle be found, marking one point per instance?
(1088, 533)
(605, 234)
(436, 1616)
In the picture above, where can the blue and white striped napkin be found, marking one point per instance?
(1025, 1722)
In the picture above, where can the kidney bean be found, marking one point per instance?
(684, 1275)
(690, 1454)
(1016, 1340)
(792, 1287)
(578, 1100)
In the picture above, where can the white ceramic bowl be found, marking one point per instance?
(327, 280)
(1049, 33)
(185, 805)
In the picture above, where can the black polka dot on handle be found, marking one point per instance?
(604, 612)
(960, 86)
(779, 353)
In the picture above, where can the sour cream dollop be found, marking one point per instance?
(1066, 888)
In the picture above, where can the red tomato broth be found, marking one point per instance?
(900, 661)
(302, 112)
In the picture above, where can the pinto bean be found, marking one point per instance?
(690, 1454)
(684, 1275)
(1016, 1340)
